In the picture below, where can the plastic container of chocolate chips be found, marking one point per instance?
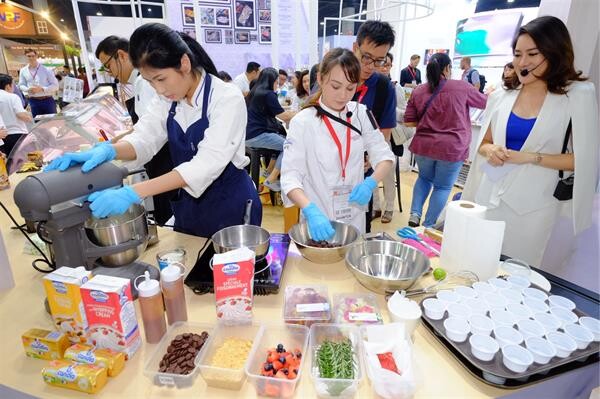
(182, 332)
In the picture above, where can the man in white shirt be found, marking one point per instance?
(243, 79)
(39, 84)
(13, 115)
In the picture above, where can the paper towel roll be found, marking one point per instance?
(470, 241)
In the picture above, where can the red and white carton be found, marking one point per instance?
(233, 274)
(111, 316)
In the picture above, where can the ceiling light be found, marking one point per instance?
(45, 14)
(321, 23)
(99, 14)
(149, 9)
(64, 36)
(62, 20)
(510, 1)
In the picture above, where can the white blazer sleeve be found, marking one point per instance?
(373, 140)
(293, 165)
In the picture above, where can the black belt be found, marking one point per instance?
(39, 98)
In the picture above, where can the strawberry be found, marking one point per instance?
(281, 375)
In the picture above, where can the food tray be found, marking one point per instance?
(495, 373)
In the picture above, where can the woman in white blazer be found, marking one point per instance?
(516, 170)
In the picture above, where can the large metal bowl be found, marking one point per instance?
(132, 225)
(386, 266)
(246, 235)
(345, 235)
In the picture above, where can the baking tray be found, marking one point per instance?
(495, 373)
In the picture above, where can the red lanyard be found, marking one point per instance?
(412, 73)
(339, 144)
(362, 90)
(36, 72)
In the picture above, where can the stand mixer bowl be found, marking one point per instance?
(106, 232)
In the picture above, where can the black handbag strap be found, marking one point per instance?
(321, 111)
(434, 95)
(565, 144)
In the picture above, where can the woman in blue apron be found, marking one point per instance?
(204, 121)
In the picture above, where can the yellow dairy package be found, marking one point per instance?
(64, 299)
(45, 344)
(113, 361)
(80, 377)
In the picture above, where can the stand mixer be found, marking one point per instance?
(57, 202)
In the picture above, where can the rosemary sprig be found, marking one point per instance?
(336, 359)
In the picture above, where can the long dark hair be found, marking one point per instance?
(264, 83)
(300, 92)
(435, 68)
(158, 46)
(552, 39)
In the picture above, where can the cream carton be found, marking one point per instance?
(64, 300)
(109, 308)
(233, 274)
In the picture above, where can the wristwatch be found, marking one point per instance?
(538, 158)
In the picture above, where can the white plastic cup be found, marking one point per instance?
(448, 296)
(541, 349)
(516, 358)
(499, 284)
(507, 336)
(476, 305)
(565, 315)
(581, 335)
(481, 325)
(521, 312)
(563, 344)
(457, 329)
(481, 287)
(458, 310)
(503, 318)
(550, 322)
(434, 308)
(530, 292)
(405, 311)
(591, 324)
(495, 300)
(536, 305)
(483, 347)
(519, 282)
(531, 328)
(512, 295)
(561, 301)
(466, 292)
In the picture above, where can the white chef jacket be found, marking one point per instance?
(10, 106)
(242, 82)
(311, 160)
(143, 91)
(224, 138)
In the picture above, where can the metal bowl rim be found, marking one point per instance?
(299, 244)
(131, 221)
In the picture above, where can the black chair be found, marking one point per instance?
(256, 154)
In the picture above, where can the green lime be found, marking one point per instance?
(439, 274)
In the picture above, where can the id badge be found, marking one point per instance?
(414, 82)
(342, 210)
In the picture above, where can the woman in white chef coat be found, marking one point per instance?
(516, 171)
(322, 169)
(204, 121)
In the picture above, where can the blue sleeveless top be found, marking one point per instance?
(517, 131)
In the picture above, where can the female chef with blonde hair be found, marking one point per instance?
(322, 169)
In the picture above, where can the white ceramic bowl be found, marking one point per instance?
(481, 325)
(434, 308)
(459, 310)
(503, 318)
(466, 292)
(519, 282)
(521, 312)
(499, 284)
(564, 314)
(512, 295)
(476, 305)
(516, 358)
(561, 301)
(581, 335)
(483, 347)
(550, 322)
(531, 328)
(541, 349)
(457, 328)
(448, 296)
(507, 336)
(591, 324)
(534, 293)
(495, 300)
(563, 344)
(483, 288)
(536, 305)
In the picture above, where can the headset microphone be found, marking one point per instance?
(525, 72)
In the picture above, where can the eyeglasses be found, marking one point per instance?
(31, 56)
(105, 64)
(366, 59)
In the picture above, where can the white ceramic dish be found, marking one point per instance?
(434, 308)
(581, 335)
(561, 301)
(591, 324)
(516, 358)
(481, 325)
(457, 329)
(507, 336)
(483, 347)
(541, 349)
(563, 344)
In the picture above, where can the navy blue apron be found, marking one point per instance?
(223, 203)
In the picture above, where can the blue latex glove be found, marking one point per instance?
(100, 153)
(319, 226)
(362, 192)
(113, 201)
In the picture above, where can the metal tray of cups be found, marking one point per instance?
(495, 373)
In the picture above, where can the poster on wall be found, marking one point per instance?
(215, 1)
(228, 35)
(264, 16)
(212, 36)
(223, 17)
(244, 14)
(187, 12)
(264, 4)
(242, 37)
(191, 32)
(207, 16)
(431, 51)
(265, 34)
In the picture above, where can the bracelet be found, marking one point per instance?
(538, 158)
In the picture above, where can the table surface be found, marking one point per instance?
(21, 308)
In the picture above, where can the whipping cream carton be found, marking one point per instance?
(233, 274)
(64, 300)
(110, 312)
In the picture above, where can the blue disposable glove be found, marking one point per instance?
(319, 226)
(361, 193)
(100, 153)
(113, 201)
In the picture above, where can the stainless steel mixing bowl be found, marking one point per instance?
(246, 235)
(384, 266)
(132, 225)
(345, 234)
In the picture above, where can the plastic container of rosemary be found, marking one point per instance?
(335, 366)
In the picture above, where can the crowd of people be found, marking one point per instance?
(337, 130)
